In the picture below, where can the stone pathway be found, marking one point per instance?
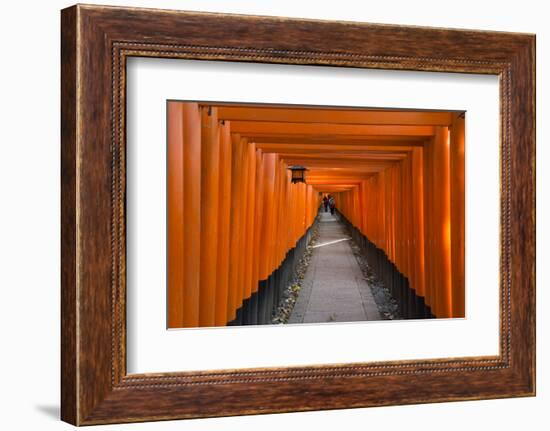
(334, 289)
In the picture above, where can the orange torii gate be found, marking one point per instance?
(405, 211)
(236, 223)
(233, 216)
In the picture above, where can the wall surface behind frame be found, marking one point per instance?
(29, 222)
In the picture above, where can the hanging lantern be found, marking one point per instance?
(298, 174)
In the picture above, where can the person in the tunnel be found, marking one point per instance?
(332, 205)
(325, 203)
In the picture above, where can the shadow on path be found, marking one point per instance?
(334, 289)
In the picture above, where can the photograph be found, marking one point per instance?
(275, 215)
(264, 213)
(297, 214)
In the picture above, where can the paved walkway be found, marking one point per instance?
(333, 289)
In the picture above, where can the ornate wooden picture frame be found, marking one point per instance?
(96, 41)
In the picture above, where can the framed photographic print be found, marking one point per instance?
(264, 214)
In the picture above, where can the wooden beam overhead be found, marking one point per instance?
(306, 139)
(359, 157)
(335, 116)
(340, 147)
(350, 177)
(334, 182)
(331, 148)
(311, 163)
(315, 129)
(329, 188)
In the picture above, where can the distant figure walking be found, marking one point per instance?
(325, 202)
(332, 205)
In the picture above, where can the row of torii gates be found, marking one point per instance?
(237, 225)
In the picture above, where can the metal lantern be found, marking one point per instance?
(298, 174)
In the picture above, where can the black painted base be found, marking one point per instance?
(411, 306)
(258, 309)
